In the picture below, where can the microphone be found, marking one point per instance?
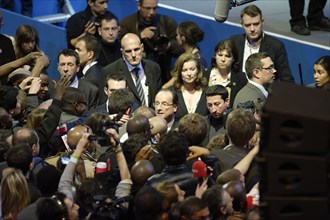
(221, 10)
(199, 170)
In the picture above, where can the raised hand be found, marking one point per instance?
(61, 85)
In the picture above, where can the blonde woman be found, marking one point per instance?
(14, 193)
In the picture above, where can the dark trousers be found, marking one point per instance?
(26, 6)
(315, 11)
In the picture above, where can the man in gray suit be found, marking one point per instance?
(143, 77)
(260, 70)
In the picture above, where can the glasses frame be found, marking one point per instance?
(149, 8)
(164, 104)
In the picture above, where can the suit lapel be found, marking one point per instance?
(122, 67)
(149, 76)
(264, 44)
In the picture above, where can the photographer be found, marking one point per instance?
(85, 22)
(158, 34)
(98, 205)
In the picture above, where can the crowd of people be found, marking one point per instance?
(124, 134)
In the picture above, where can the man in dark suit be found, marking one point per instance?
(88, 49)
(261, 72)
(255, 40)
(166, 105)
(68, 64)
(156, 31)
(143, 77)
(114, 81)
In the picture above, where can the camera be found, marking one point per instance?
(160, 40)
(111, 208)
(101, 136)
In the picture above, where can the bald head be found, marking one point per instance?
(138, 125)
(141, 171)
(132, 48)
(158, 125)
(75, 133)
(29, 136)
(146, 111)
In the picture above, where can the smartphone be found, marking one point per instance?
(65, 160)
(93, 20)
(153, 141)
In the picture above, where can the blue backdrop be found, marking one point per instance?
(53, 39)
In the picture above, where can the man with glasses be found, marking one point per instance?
(166, 105)
(157, 32)
(142, 75)
(255, 40)
(261, 72)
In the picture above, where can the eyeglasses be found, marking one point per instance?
(150, 8)
(269, 69)
(164, 104)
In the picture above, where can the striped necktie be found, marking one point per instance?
(138, 84)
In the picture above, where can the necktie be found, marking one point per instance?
(138, 85)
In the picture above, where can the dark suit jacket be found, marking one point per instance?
(90, 91)
(276, 51)
(249, 93)
(230, 156)
(151, 71)
(7, 53)
(237, 82)
(182, 109)
(93, 76)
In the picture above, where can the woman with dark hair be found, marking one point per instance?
(27, 40)
(224, 69)
(188, 34)
(322, 73)
(189, 84)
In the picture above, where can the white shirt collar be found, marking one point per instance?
(263, 90)
(88, 66)
(75, 82)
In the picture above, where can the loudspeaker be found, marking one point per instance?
(296, 119)
(294, 153)
(295, 208)
(293, 175)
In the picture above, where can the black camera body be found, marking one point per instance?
(112, 208)
(160, 40)
(101, 136)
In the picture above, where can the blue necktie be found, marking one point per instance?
(138, 85)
